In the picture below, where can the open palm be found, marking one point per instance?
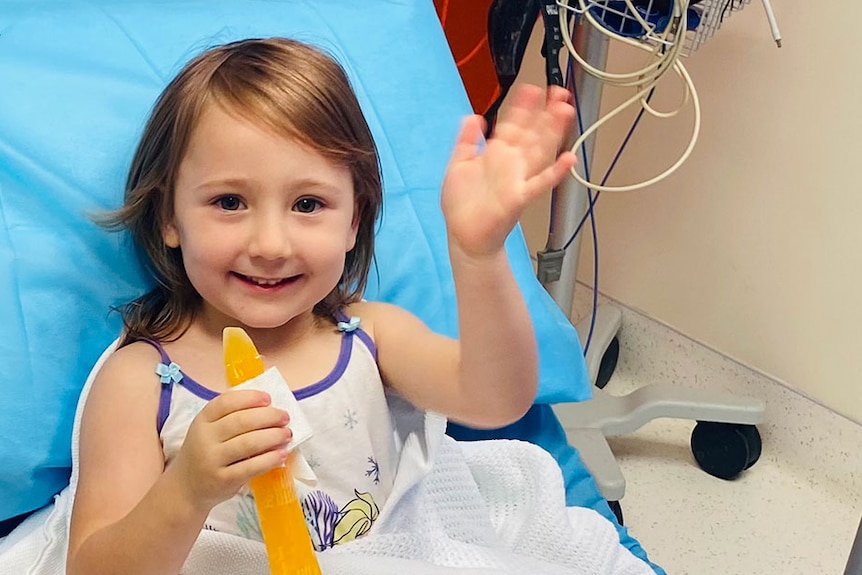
(485, 190)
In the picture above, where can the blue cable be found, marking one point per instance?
(610, 169)
(593, 199)
(589, 213)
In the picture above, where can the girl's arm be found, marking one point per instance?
(488, 377)
(124, 508)
(133, 516)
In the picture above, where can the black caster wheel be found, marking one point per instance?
(725, 450)
(618, 511)
(608, 363)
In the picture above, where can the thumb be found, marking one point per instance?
(468, 138)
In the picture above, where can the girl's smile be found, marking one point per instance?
(267, 284)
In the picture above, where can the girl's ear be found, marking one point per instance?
(171, 236)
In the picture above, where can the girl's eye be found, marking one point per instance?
(307, 205)
(229, 203)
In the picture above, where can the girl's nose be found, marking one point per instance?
(269, 238)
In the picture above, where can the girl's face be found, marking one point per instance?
(262, 221)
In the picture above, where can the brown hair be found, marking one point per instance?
(284, 85)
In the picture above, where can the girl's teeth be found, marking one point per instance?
(264, 282)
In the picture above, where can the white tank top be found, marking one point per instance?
(351, 451)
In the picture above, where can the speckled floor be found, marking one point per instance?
(795, 512)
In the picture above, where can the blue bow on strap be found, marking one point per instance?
(348, 326)
(169, 373)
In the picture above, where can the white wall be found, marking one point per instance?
(754, 247)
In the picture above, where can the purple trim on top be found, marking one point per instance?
(363, 335)
(165, 358)
(197, 389)
(207, 394)
(343, 359)
(167, 388)
(335, 374)
(187, 381)
(164, 406)
(369, 343)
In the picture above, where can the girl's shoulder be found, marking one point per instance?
(136, 352)
(124, 398)
(384, 319)
(372, 313)
(130, 364)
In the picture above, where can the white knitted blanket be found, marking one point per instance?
(487, 507)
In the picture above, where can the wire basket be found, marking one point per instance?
(655, 23)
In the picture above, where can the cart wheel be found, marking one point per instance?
(608, 363)
(725, 450)
(618, 511)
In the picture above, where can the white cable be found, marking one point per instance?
(638, 77)
(642, 94)
(644, 80)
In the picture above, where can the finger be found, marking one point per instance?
(246, 469)
(560, 116)
(562, 112)
(254, 443)
(468, 139)
(551, 176)
(526, 97)
(519, 114)
(234, 400)
(557, 114)
(247, 420)
(558, 94)
(542, 142)
(543, 130)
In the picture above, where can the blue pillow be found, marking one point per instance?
(79, 79)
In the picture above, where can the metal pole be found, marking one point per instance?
(569, 201)
(558, 268)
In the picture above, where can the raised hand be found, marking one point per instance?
(234, 438)
(486, 190)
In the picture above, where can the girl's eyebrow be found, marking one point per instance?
(227, 182)
(301, 184)
(311, 184)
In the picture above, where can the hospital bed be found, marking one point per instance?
(78, 79)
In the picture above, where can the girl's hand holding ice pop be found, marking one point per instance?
(236, 437)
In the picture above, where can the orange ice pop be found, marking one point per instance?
(285, 535)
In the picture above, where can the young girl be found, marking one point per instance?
(252, 197)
